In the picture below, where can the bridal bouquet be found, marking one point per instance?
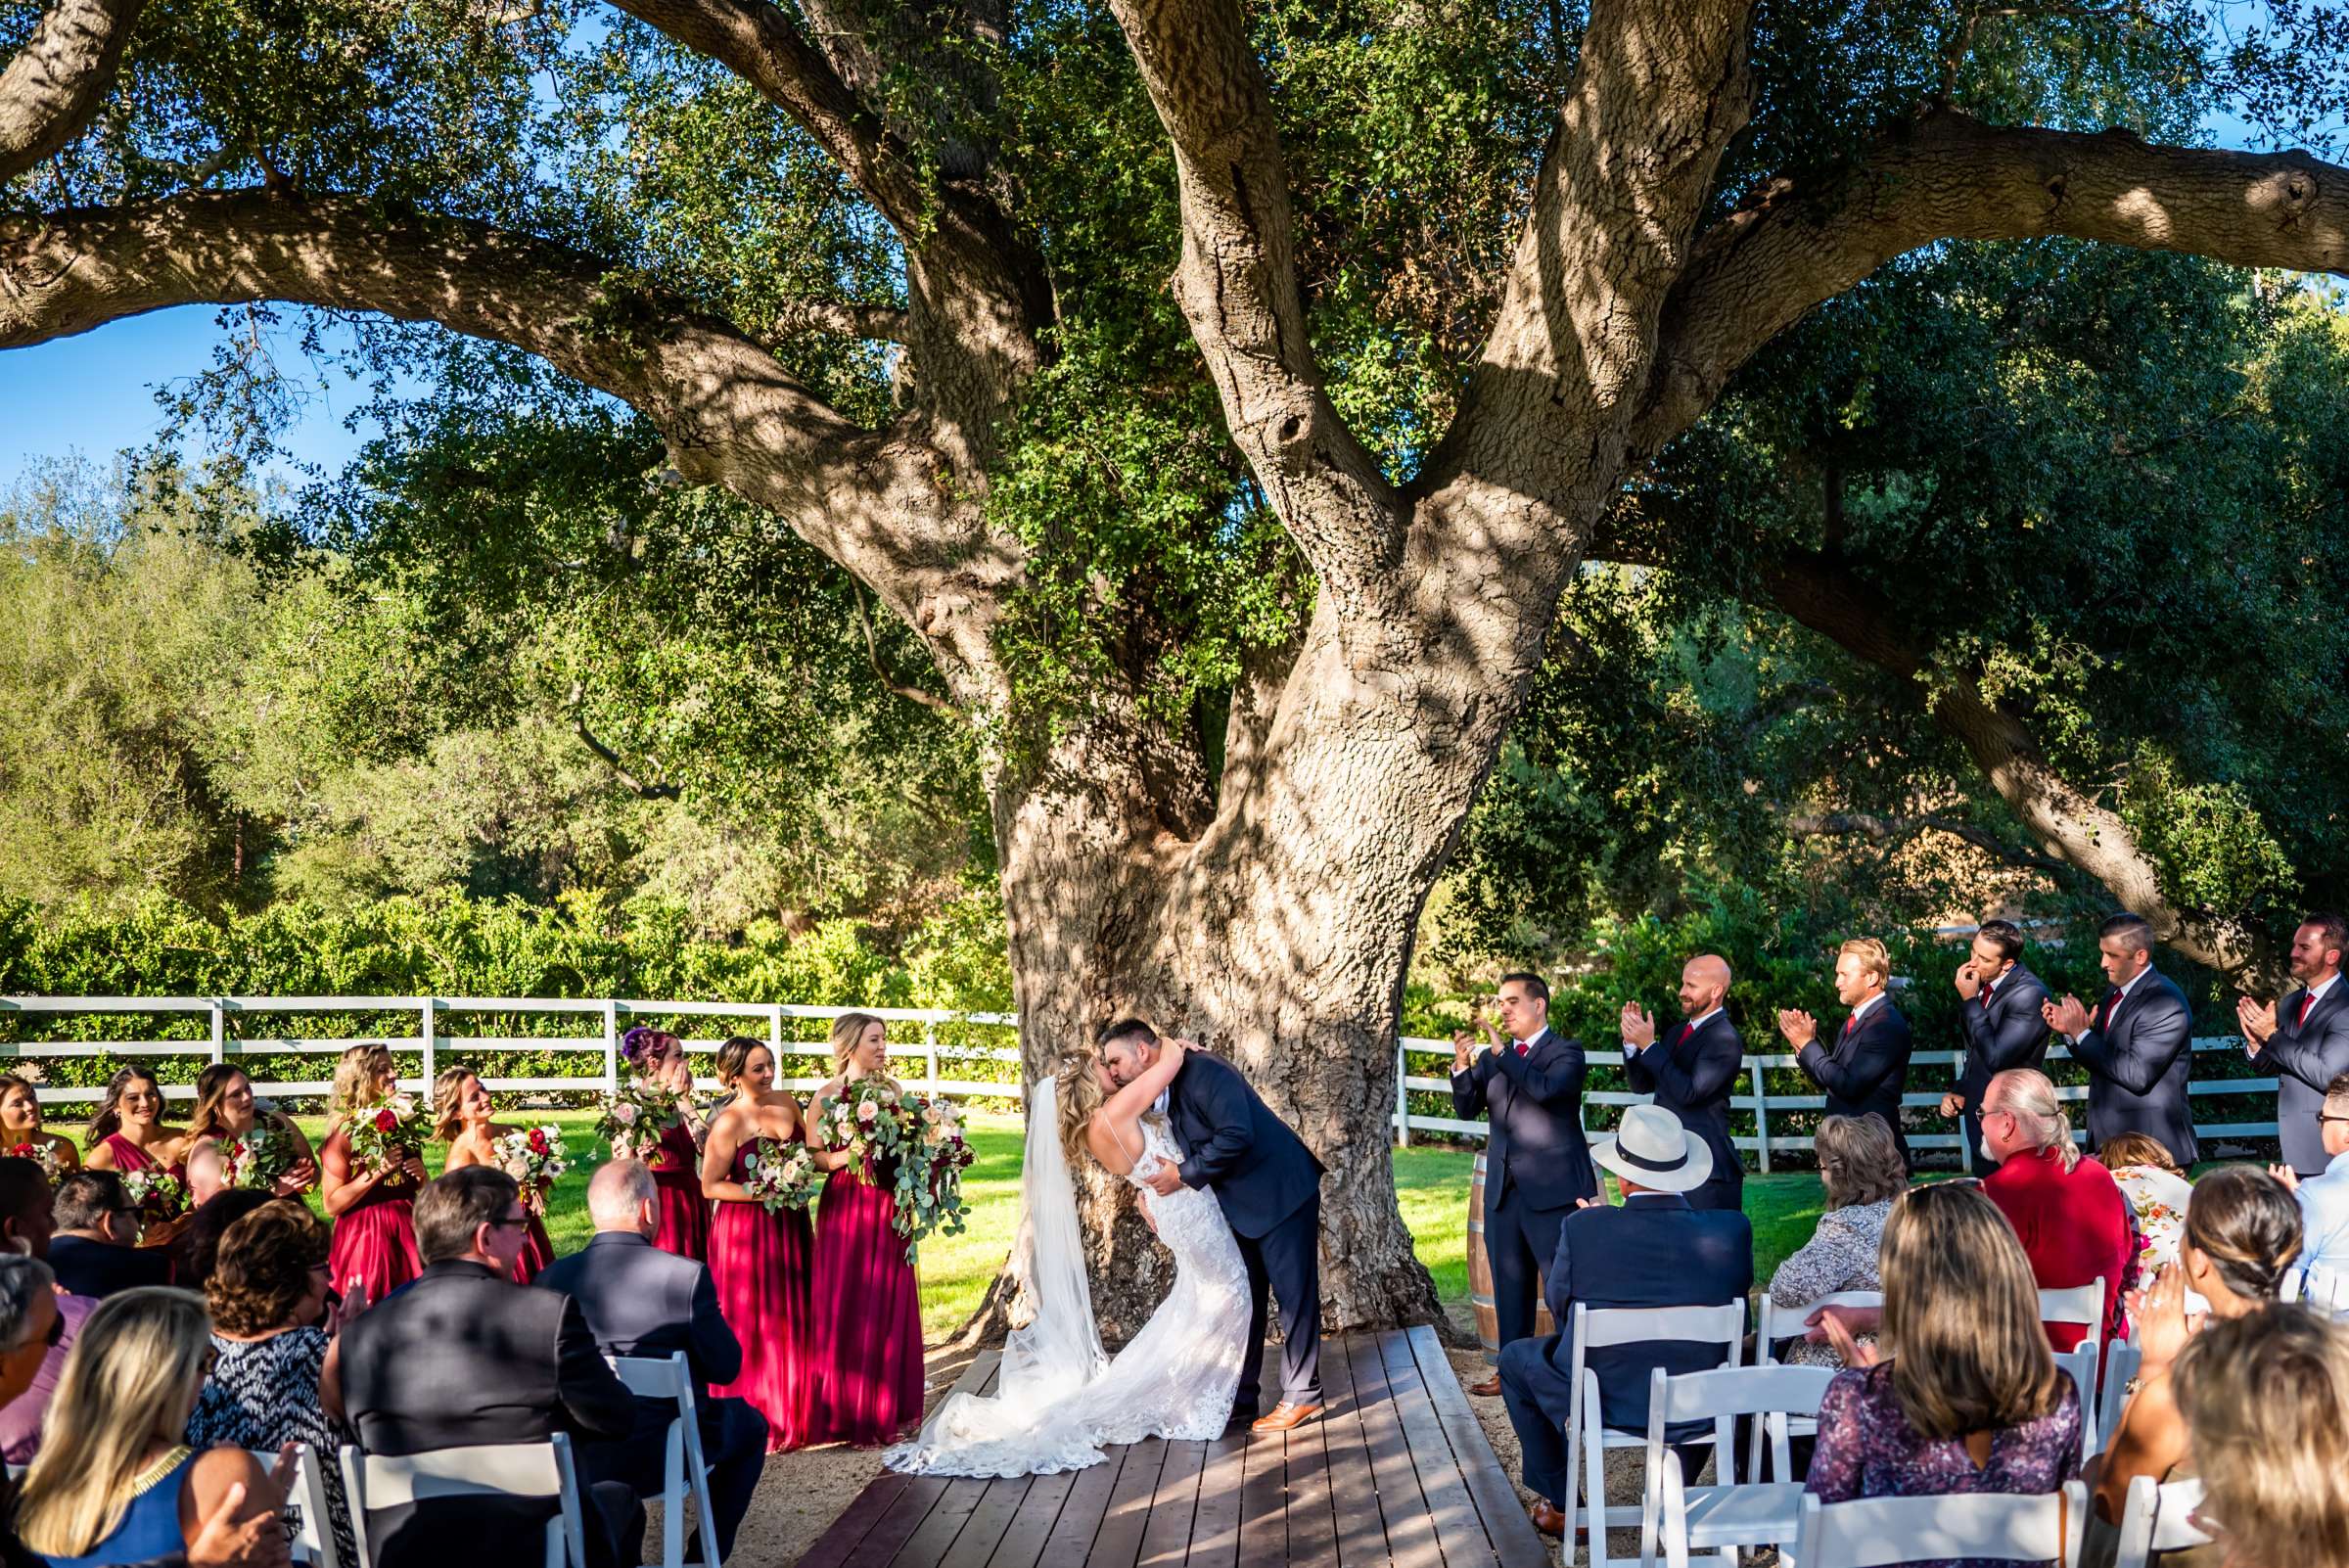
(43, 1154)
(635, 1118)
(385, 1136)
(780, 1175)
(534, 1157)
(930, 1167)
(256, 1159)
(156, 1191)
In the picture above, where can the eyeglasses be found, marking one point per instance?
(2322, 1117)
(507, 1220)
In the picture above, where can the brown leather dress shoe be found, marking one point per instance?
(1285, 1415)
(1489, 1388)
(1548, 1521)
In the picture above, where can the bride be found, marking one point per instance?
(1061, 1401)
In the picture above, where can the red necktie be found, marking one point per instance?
(1986, 991)
(1685, 1031)
(2308, 999)
(1850, 1023)
(1524, 1048)
(2112, 1005)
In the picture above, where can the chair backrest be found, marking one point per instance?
(2155, 1519)
(1774, 1322)
(305, 1492)
(2326, 1289)
(1598, 1327)
(1721, 1396)
(504, 1469)
(654, 1377)
(2078, 1304)
(1995, 1526)
(2081, 1363)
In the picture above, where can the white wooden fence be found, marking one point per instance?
(437, 1040)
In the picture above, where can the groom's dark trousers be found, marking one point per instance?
(1270, 1185)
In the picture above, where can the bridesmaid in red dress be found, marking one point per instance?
(374, 1247)
(128, 1132)
(868, 1306)
(758, 1262)
(658, 1057)
(464, 1119)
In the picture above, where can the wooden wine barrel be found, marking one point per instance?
(1479, 1276)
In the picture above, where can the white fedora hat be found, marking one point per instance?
(1652, 1149)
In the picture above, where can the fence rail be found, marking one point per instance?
(612, 1017)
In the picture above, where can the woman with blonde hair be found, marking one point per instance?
(1962, 1393)
(112, 1482)
(21, 1130)
(2267, 1398)
(758, 1260)
(226, 1109)
(465, 1117)
(867, 1302)
(373, 1209)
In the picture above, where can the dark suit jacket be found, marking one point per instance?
(1652, 1251)
(1260, 1170)
(1864, 1069)
(462, 1356)
(640, 1301)
(1533, 1105)
(2137, 1060)
(2304, 1057)
(1690, 1073)
(99, 1269)
(2012, 1032)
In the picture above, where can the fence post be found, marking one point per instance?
(1761, 1111)
(930, 1054)
(774, 1039)
(1402, 1098)
(219, 1030)
(427, 1034)
(611, 1046)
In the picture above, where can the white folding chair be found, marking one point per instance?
(1740, 1510)
(485, 1470)
(1775, 1323)
(2155, 1519)
(1587, 1436)
(1998, 1526)
(2081, 1363)
(305, 1494)
(667, 1379)
(2318, 1286)
(2083, 1306)
(2121, 1361)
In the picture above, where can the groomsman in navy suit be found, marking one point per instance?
(1529, 1086)
(2004, 1022)
(2136, 1045)
(1691, 1072)
(2304, 1038)
(1866, 1067)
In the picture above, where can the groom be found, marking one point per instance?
(1270, 1185)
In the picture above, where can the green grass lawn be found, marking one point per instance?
(1430, 1184)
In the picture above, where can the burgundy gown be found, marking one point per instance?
(375, 1238)
(868, 1316)
(129, 1157)
(684, 1212)
(537, 1251)
(758, 1265)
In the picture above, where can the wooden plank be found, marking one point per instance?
(893, 1527)
(1411, 1533)
(998, 1506)
(1119, 1540)
(1216, 1528)
(1515, 1542)
(1167, 1538)
(1353, 1491)
(1072, 1537)
(929, 1544)
(1313, 1527)
(1263, 1499)
(858, 1520)
(1460, 1533)
(1023, 1544)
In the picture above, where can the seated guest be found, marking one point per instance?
(24, 1229)
(114, 1482)
(96, 1249)
(463, 1356)
(197, 1248)
(641, 1301)
(1862, 1175)
(30, 1323)
(2267, 1398)
(267, 1293)
(1654, 1251)
(1962, 1394)
(2241, 1238)
(2324, 1198)
(2157, 1190)
(2074, 1224)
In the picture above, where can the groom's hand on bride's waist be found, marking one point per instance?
(1165, 1180)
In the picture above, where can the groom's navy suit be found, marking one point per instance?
(1270, 1185)
(1537, 1163)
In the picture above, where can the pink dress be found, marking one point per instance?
(375, 1238)
(684, 1212)
(129, 1157)
(537, 1251)
(758, 1265)
(868, 1316)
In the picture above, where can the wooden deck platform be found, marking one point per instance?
(1397, 1472)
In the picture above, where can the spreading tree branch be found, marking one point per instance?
(872, 651)
(574, 705)
(1892, 829)
(56, 81)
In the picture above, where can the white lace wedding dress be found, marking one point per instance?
(1060, 1401)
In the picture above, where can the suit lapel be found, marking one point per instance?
(2325, 1004)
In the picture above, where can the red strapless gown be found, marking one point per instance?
(537, 1251)
(684, 1212)
(375, 1239)
(129, 1157)
(868, 1318)
(758, 1265)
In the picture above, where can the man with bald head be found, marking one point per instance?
(1693, 1070)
